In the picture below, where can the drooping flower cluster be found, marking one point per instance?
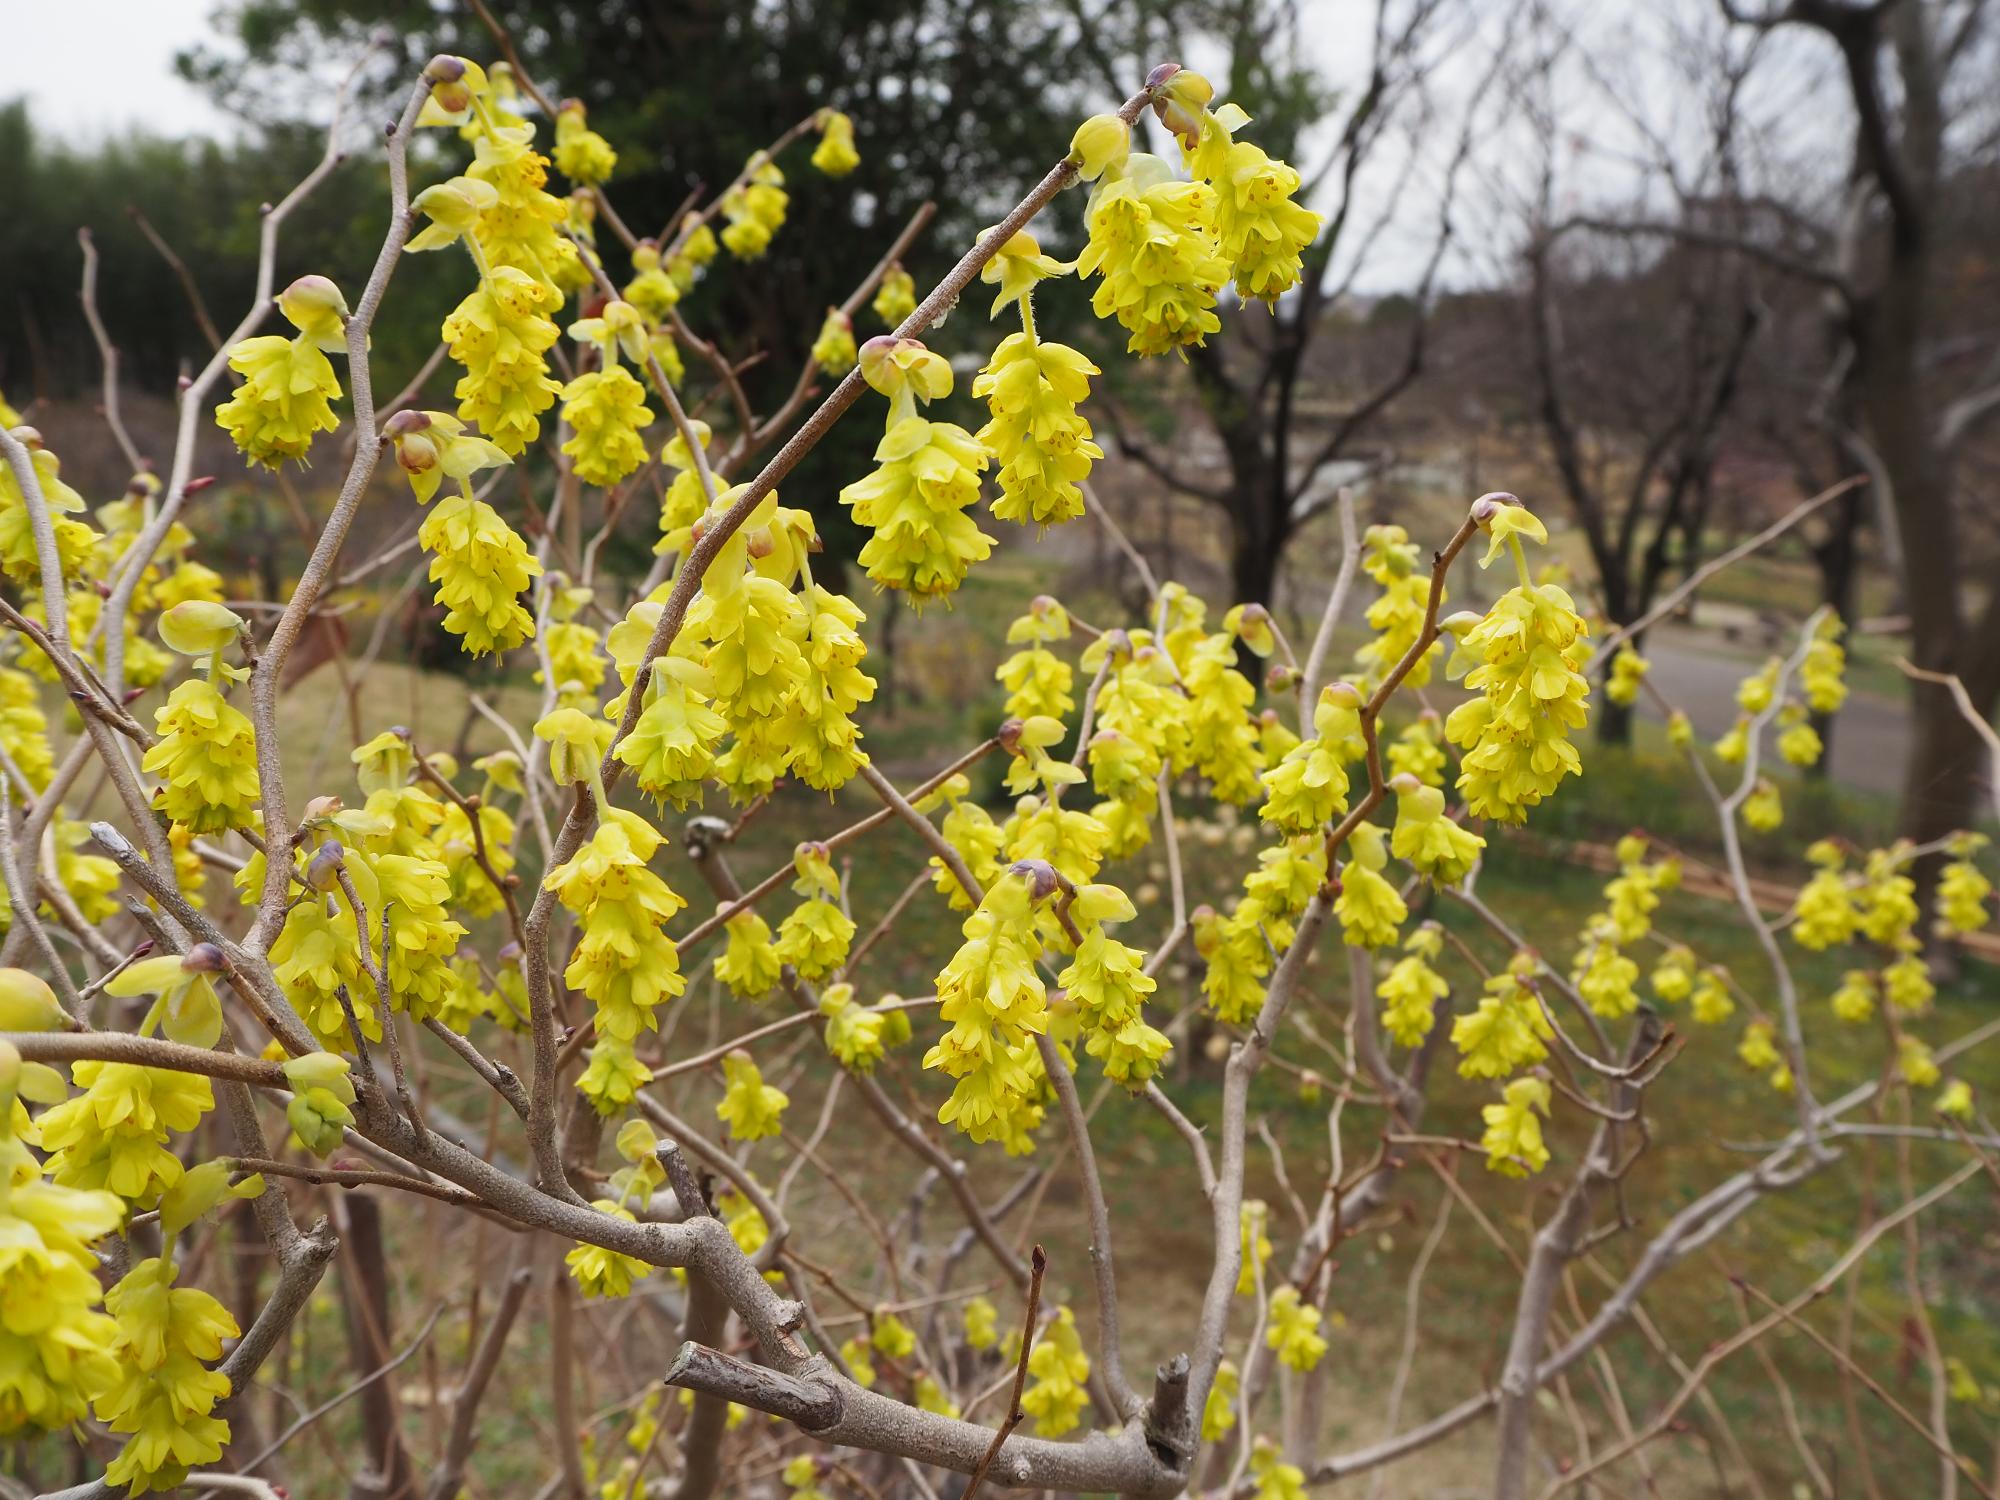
(288, 383)
(206, 755)
(995, 1004)
(927, 477)
(1032, 389)
(1059, 1369)
(606, 407)
(1525, 657)
(623, 961)
(755, 208)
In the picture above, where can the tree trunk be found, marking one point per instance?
(1614, 721)
(1259, 527)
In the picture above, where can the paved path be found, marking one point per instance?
(1871, 738)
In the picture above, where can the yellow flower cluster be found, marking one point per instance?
(1037, 680)
(582, 155)
(1259, 228)
(927, 477)
(751, 1108)
(815, 935)
(755, 209)
(288, 383)
(1410, 991)
(835, 154)
(606, 407)
(1107, 985)
(1525, 656)
(164, 1396)
(206, 758)
(996, 1005)
(623, 960)
(499, 333)
(54, 1345)
(1032, 389)
(1396, 618)
(1508, 1031)
(1060, 1370)
(1513, 1140)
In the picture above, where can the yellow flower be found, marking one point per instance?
(927, 476)
(164, 1396)
(1043, 445)
(1508, 1031)
(499, 334)
(1308, 788)
(748, 963)
(582, 155)
(1529, 650)
(517, 231)
(1060, 1368)
(995, 1004)
(598, 1272)
(114, 1134)
(1101, 144)
(750, 1107)
(287, 383)
(833, 351)
(607, 412)
(1409, 992)
(206, 759)
(1711, 1002)
(835, 154)
(1397, 615)
(1433, 844)
(1259, 227)
(1854, 1001)
(1158, 269)
(1107, 985)
(1513, 1139)
(1915, 1063)
(1293, 1330)
(1218, 1413)
(755, 209)
(1763, 809)
(1256, 1244)
(982, 1322)
(1962, 893)
(896, 297)
(1369, 908)
(481, 568)
(1628, 669)
(75, 540)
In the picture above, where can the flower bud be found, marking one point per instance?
(323, 869)
(1100, 145)
(1180, 99)
(1039, 874)
(197, 627)
(317, 309)
(204, 958)
(28, 1004)
(1341, 695)
(1280, 678)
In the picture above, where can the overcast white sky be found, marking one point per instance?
(92, 68)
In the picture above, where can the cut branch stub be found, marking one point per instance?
(813, 1405)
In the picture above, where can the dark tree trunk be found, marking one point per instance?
(1614, 721)
(1839, 561)
(1255, 548)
